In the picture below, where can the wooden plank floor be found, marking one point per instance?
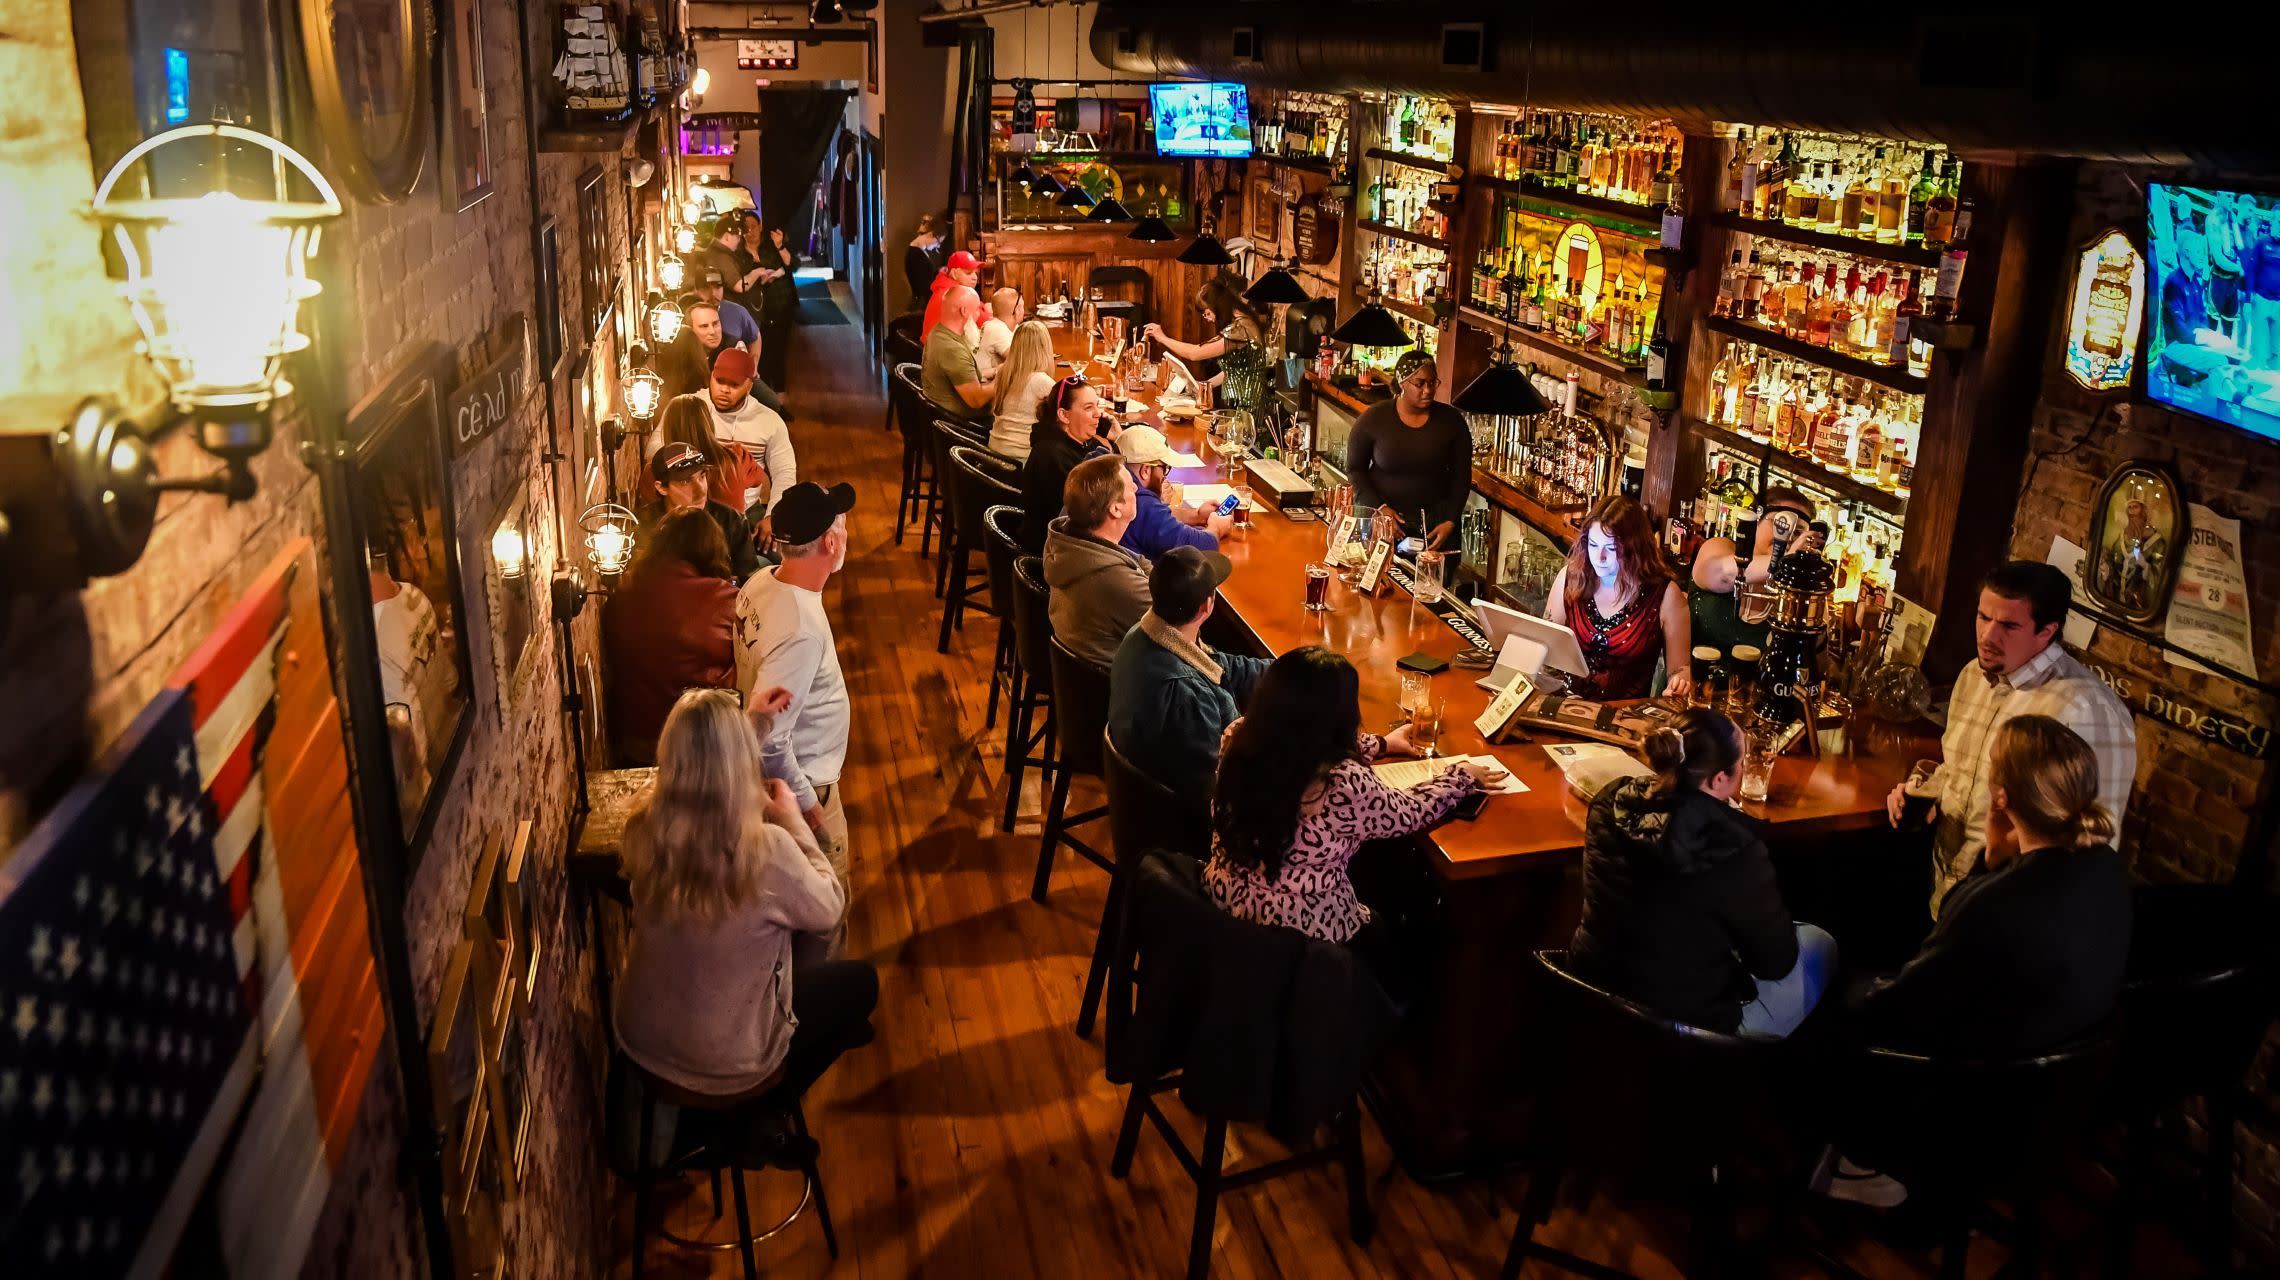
(972, 1138)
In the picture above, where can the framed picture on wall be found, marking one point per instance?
(593, 252)
(553, 334)
(467, 107)
(368, 63)
(412, 580)
(2137, 537)
(511, 582)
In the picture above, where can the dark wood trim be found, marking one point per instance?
(1580, 202)
(1398, 233)
(1766, 229)
(1426, 163)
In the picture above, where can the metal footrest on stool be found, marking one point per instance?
(807, 1199)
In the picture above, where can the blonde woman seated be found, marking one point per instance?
(1023, 382)
(726, 877)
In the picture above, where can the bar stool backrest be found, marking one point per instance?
(976, 484)
(1001, 546)
(1145, 814)
(1032, 624)
(1080, 710)
(913, 411)
(2199, 991)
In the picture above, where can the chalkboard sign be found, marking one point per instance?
(1314, 234)
(483, 403)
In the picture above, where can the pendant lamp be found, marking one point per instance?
(1503, 390)
(1373, 326)
(1109, 209)
(1075, 197)
(1278, 287)
(1206, 251)
(1153, 230)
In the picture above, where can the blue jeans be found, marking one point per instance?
(1783, 1002)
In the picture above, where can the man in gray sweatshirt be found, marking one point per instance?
(738, 418)
(1099, 589)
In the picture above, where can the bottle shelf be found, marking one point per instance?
(1556, 524)
(1352, 399)
(1598, 362)
(1883, 375)
(1397, 233)
(1944, 335)
(1417, 311)
(1841, 484)
(1767, 229)
(1426, 163)
(1323, 165)
(1576, 200)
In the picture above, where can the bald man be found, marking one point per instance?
(1006, 312)
(952, 377)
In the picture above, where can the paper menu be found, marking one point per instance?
(1181, 458)
(1410, 773)
(1501, 707)
(1591, 766)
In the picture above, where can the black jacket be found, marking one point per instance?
(1680, 908)
(1266, 1024)
(2025, 958)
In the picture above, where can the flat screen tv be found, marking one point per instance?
(2214, 344)
(1201, 119)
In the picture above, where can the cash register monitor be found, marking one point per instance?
(1176, 380)
(1550, 645)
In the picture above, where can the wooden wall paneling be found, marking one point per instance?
(1980, 401)
(1674, 463)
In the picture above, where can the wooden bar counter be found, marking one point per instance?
(1451, 1091)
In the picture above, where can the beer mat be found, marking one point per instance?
(1457, 622)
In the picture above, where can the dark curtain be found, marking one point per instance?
(796, 129)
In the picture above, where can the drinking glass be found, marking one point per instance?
(1242, 506)
(1416, 687)
(1918, 796)
(1425, 725)
(1758, 758)
(1432, 574)
(1317, 587)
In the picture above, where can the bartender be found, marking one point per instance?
(1713, 597)
(1411, 457)
(1233, 322)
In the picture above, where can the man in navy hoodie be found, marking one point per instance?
(1157, 526)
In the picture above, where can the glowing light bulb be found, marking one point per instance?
(685, 239)
(672, 271)
(509, 551)
(664, 322)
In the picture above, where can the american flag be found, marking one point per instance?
(132, 987)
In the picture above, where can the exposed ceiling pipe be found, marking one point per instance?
(958, 13)
(1999, 77)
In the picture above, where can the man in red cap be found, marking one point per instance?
(965, 269)
(738, 418)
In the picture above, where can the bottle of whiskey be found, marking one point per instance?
(1868, 442)
(1927, 186)
(1896, 349)
(1939, 211)
(1658, 356)
(1752, 300)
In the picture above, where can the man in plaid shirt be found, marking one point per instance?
(2022, 670)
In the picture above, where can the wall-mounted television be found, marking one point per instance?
(2214, 344)
(1201, 119)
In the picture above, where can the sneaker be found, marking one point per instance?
(1850, 1182)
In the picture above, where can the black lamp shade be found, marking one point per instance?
(1046, 186)
(1024, 175)
(1206, 251)
(1153, 230)
(1075, 197)
(1501, 390)
(1276, 288)
(1373, 326)
(1109, 210)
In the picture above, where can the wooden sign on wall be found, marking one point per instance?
(1314, 234)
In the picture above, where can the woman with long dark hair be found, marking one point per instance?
(779, 297)
(1295, 799)
(1227, 316)
(1680, 909)
(1618, 595)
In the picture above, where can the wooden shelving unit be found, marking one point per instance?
(1598, 362)
(1577, 201)
(1559, 526)
(1348, 398)
(1397, 233)
(1806, 469)
(1422, 315)
(1323, 165)
(1426, 163)
(1766, 229)
(1883, 375)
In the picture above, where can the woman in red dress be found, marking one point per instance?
(1618, 595)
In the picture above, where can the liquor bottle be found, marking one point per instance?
(1801, 199)
(1773, 183)
(1832, 200)
(1903, 318)
(1833, 435)
(1674, 216)
(1895, 473)
(1939, 211)
(1868, 444)
(1787, 430)
(1852, 323)
(1750, 407)
(1870, 186)
(1658, 356)
(1729, 287)
(1965, 207)
(1927, 186)
(1821, 312)
(1892, 205)
(1721, 384)
(1752, 299)
(1752, 154)
(1795, 300)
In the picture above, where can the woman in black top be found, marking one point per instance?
(1411, 457)
(922, 261)
(1680, 909)
(779, 296)
(2029, 949)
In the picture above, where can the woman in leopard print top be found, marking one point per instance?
(1295, 799)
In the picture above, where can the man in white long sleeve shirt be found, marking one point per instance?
(783, 638)
(738, 418)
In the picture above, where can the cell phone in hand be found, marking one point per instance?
(1469, 808)
(1228, 504)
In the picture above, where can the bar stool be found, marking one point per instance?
(1652, 1101)
(648, 1161)
(1080, 715)
(1142, 814)
(2195, 1004)
(1028, 738)
(913, 415)
(1201, 972)
(977, 479)
(1001, 546)
(944, 433)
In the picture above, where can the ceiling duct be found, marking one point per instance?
(2000, 77)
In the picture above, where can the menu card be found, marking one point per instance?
(1410, 773)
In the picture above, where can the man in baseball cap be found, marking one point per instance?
(1157, 526)
(681, 478)
(963, 268)
(783, 640)
(739, 418)
(735, 320)
(1170, 695)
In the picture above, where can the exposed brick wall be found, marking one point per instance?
(2195, 802)
(75, 669)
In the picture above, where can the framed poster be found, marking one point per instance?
(593, 252)
(553, 334)
(368, 63)
(412, 581)
(2137, 536)
(466, 114)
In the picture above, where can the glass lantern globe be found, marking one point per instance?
(510, 551)
(216, 280)
(684, 239)
(672, 271)
(691, 210)
(664, 322)
(609, 537)
(643, 391)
